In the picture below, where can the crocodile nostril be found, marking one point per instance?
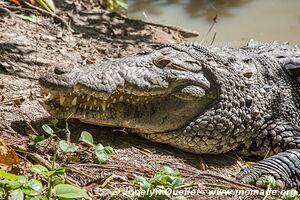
(62, 69)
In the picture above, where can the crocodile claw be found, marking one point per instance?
(283, 167)
(258, 177)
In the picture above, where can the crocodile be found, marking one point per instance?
(201, 99)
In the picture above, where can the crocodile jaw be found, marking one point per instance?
(147, 114)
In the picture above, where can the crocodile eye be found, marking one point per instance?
(162, 62)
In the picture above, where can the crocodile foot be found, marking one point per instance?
(283, 167)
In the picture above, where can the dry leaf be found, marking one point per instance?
(15, 2)
(249, 163)
(7, 155)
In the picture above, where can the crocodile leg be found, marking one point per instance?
(284, 166)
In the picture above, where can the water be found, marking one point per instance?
(238, 21)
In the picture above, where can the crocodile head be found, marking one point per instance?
(156, 91)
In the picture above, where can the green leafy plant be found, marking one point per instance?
(102, 153)
(269, 182)
(67, 191)
(13, 187)
(55, 177)
(156, 187)
(47, 5)
(87, 138)
(66, 147)
(113, 5)
(51, 130)
(290, 195)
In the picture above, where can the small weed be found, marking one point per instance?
(290, 195)
(67, 149)
(161, 185)
(51, 183)
(51, 130)
(13, 187)
(101, 153)
(114, 5)
(270, 182)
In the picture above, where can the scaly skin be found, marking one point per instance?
(199, 99)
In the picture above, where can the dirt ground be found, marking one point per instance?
(28, 50)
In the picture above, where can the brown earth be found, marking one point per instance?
(28, 50)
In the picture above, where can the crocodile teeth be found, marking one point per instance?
(114, 101)
(74, 101)
(49, 96)
(91, 107)
(98, 108)
(88, 97)
(62, 100)
(121, 98)
(103, 105)
(95, 102)
(85, 106)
